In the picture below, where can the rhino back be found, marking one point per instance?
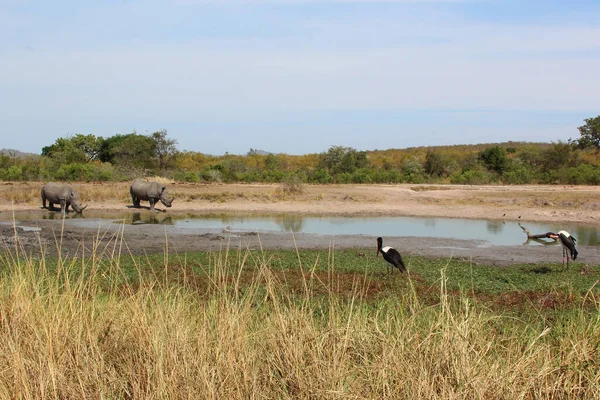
(54, 192)
(144, 190)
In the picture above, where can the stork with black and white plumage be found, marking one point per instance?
(390, 255)
(568, 244)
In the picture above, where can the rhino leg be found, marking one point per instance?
(63, 205)
(152, 201)
(135, 201)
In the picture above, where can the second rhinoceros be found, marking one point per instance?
(151, 192)
(63, 194)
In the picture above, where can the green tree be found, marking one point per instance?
(590, 134)
(435, 164)
(558, 156)
(132, 150)
(271, 162)
(341, 159)
(494, 158)
(76, 149)
(166, 149)
(90, 145)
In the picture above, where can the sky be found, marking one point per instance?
(298, 76)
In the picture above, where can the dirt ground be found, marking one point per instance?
(573, 204)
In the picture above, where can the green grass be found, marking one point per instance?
(540, 290)
(294, 324)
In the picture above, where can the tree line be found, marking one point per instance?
(126, 156)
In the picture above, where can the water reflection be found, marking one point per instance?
(495, 227)
(587, 236)
(148, 218)
(58, 215)
(429, 222)
(493, 232)
(290, 223)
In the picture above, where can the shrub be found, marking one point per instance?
(74, 172)
(583, 174)
(191, 177)
(13, 173)
(472, 177)
(292, 185)
(344, 177)
(272, 176)
(212, 175)
(520, 175)
(361, 176)
(321, 175)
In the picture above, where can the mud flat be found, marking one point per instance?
(510, 203)
(47, 236)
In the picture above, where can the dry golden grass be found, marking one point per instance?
(75, 328)
(20, 193)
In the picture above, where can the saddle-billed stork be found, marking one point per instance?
(390, 255)
(568, 244)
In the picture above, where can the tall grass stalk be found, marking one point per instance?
(76, 328)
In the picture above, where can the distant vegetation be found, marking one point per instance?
(123, 157)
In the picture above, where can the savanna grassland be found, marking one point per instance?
(278, 324)
(114, 322)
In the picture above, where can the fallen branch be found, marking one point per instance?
(539, 236)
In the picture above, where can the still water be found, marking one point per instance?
(493, 232)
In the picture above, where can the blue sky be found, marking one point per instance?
(298, 76)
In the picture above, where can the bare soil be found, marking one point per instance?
(579, 204)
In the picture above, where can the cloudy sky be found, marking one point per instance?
(297, 76)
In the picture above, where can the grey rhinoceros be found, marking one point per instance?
(151, 192)
(63, 194)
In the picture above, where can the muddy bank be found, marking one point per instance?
(572, 204)
(47, 236)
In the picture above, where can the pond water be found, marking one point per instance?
(493, 232)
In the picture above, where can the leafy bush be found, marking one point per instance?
(272, 176)
(212, 175)
(344, 177)
(517, 173)
(584, 174)
(495, 159)
(321, 175)
(387, 176)
(361, 176)
(191, 177)
(472, 177)
(74, 172)
(518, 176)
(13, 173)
